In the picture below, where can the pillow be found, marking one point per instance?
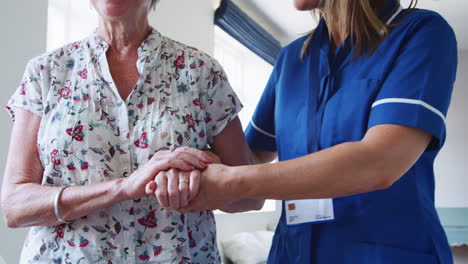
(248, 248)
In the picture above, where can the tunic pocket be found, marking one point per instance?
(347, 112)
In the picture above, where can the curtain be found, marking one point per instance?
(241, 27)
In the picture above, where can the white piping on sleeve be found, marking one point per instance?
(410, 101)
(261, 130)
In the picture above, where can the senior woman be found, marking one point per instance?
(95, 121)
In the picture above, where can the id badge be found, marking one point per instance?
(309, 211)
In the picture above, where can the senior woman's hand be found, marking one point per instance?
(174, 188)
(184, 159)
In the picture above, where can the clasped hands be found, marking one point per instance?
(173, 177)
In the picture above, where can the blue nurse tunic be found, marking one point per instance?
(328, 98)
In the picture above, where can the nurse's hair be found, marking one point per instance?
(358, 19)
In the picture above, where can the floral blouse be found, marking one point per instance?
(89, 134)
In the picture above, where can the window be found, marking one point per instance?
(247, 72)
(69, 21)
(248, 75)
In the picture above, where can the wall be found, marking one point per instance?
(451, 166)
(190, 22)
(23, 35)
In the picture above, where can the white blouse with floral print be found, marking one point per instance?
(89, 134)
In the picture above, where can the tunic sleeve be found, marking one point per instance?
(418, 89)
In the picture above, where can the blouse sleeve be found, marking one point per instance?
(221, 102)
(417, 92)
(28, 95)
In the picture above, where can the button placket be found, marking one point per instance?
(124, 138)
(126, 171)
(125, 156)
(126, 141)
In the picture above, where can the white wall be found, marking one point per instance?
(451, 166)
(23, 35)
(190, 22)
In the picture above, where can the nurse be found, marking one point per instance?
(356, 113)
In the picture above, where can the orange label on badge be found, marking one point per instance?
(291, 207)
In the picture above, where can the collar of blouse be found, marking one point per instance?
(147, 48)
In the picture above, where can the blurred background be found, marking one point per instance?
(247, 54)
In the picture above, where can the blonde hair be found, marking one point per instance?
(358, 19)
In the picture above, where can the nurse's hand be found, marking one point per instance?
(184, 158)
(218, 188)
